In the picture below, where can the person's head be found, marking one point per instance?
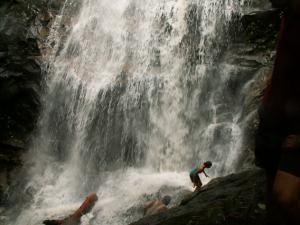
(166, 199)
(207, 164)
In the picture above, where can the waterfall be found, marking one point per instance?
(137, 94)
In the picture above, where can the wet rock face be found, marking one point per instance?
(252, 53)
(24, 26)
(20, 66)
(236, 199)
(20, 82)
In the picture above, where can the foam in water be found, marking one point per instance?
(136, 97)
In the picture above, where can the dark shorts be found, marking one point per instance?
(195, 179)
(290, 162)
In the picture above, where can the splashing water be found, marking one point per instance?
(136, 97)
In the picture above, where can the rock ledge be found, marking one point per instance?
(237, 199)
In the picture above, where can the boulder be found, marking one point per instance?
(235, 199)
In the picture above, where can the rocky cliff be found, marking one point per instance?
(252, 53)
(24, 27)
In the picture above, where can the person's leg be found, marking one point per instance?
(197, 181)
(287, 194)
(192, 179)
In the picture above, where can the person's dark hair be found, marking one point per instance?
(166, 199)
(208, 164)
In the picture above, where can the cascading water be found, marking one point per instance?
(136, 96)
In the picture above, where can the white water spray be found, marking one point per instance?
(136, 97)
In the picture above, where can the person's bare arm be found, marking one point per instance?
(86, 206)
(161, 208)
(205, 173)
(148, 205)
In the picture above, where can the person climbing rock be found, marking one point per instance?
(157, 206)
(194, 174)
(74, 219)
(277, 146)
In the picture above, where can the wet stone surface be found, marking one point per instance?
(232, 200)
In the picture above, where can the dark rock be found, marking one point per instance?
(252, 55)
(20, 64)
(260, 28)
(259, 4)
(236, 199)
(55, 4)
(10, 153)
(20, 77)
(10, 160)
(24, 27)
